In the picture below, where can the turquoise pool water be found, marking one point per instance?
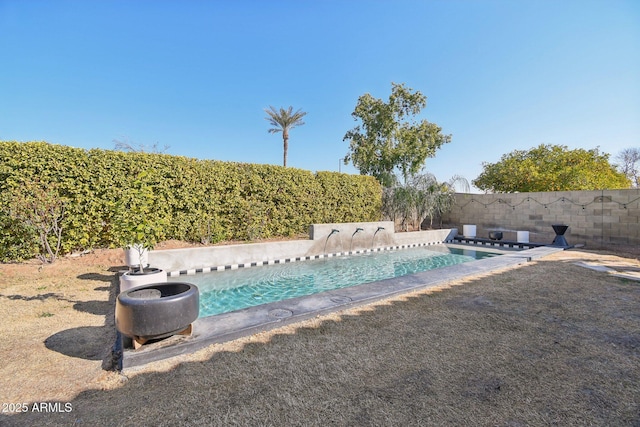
(230, 290)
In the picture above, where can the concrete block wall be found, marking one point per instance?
(593, 217)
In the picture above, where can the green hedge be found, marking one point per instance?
(173, 197)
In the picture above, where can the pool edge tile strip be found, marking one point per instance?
(233, 325)
(191, 272)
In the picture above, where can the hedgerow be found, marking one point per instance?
(112, 198)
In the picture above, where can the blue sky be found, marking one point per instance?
(196, 75)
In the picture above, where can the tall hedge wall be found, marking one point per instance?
(183, 198)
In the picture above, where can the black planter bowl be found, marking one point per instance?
(157, 310)
(495, 235)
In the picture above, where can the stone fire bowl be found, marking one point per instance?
(495, 235)
(157, 310)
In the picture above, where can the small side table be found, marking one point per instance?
(559, 240)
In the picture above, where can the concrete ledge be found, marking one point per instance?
(198, 258)
(443, 235)
(498, 243)
(233, 325)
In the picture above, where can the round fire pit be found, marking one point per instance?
(495, 235)
(157, 310)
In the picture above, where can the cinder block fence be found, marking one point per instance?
(593, 217)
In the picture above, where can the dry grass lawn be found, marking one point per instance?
(549, 343)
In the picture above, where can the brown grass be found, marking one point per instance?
(550, 343)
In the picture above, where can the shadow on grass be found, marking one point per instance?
(79, 342)
(99, 308)
(96, 277)
(91, 342)
(40, 297)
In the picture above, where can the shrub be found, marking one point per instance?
(111, 196)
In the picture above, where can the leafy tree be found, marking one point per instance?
(550, 168)
(283, 121)
(135, 227)
(629, 160)
(390, 137)
(40, 208)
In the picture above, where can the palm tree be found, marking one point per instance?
(284, 120)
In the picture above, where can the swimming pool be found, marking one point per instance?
(230, 290)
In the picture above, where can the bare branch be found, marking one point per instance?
(125, 145)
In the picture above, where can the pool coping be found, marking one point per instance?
(230, 326)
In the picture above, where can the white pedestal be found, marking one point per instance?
(522, 236)
(130, 280)
(469, 231)
(135, 255)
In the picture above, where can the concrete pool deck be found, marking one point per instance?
(229, 326)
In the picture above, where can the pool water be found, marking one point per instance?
(230, 290)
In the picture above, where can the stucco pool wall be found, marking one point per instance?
(374, 235)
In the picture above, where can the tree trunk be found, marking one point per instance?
(285, 138)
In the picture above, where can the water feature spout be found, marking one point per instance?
(354, 233)
(333, 231)
(374, 236)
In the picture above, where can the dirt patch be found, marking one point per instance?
(547, 343)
